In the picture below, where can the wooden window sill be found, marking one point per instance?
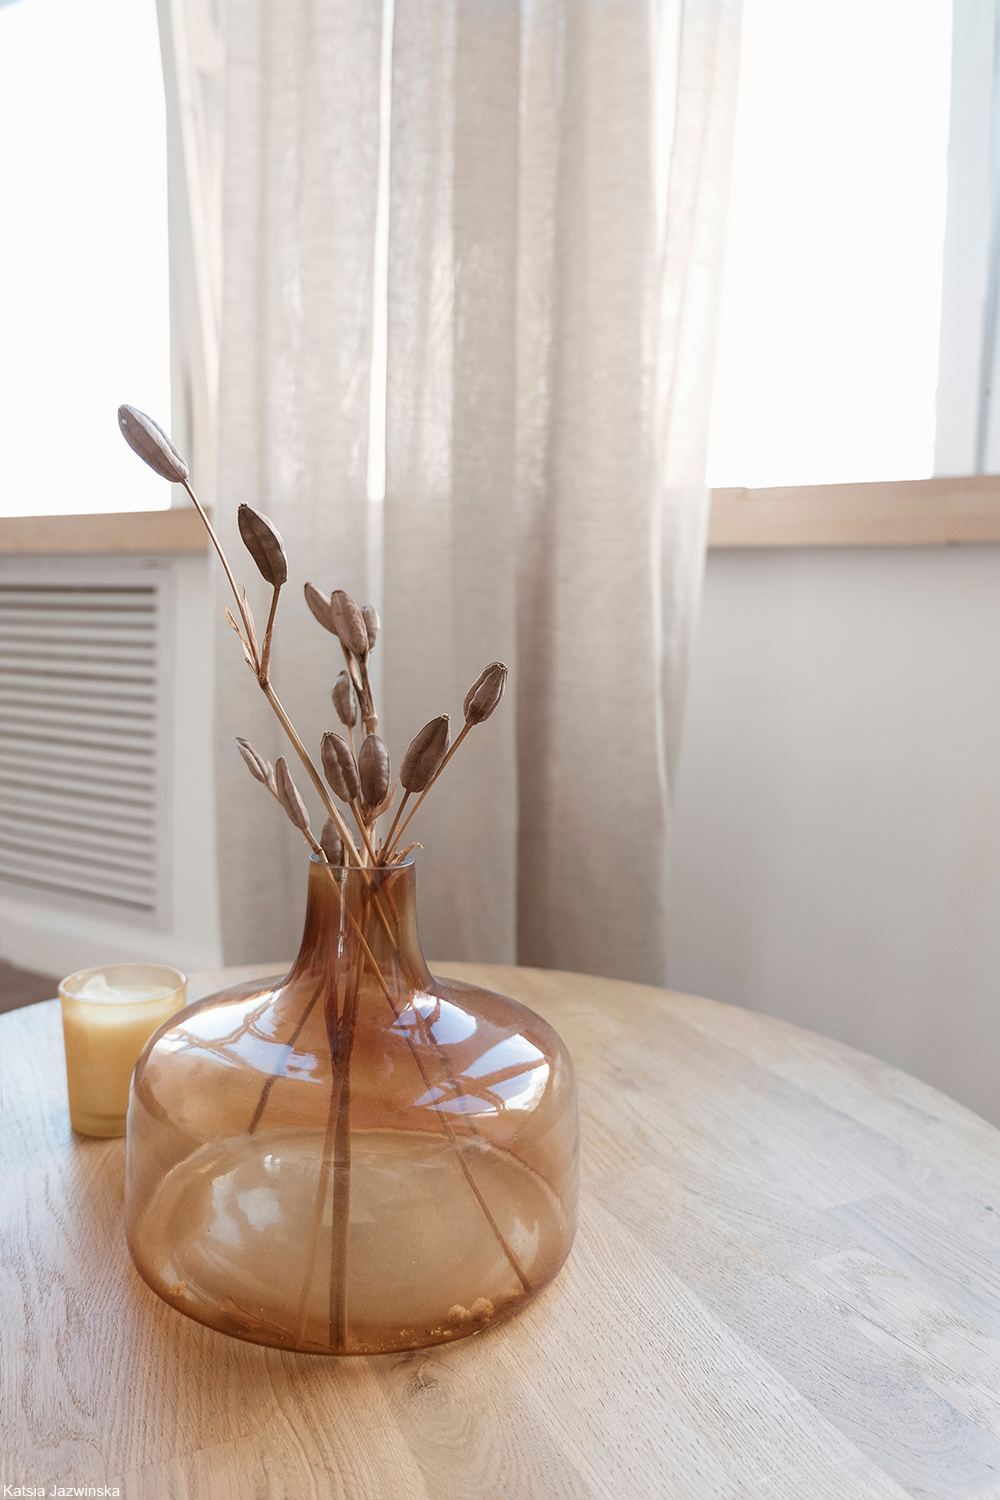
(149, 531)
(901, 513)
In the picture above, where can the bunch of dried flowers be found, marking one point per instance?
(359, 775)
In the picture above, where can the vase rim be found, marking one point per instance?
(407, 864)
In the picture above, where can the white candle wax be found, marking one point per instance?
(108, 1016)
(97, 988)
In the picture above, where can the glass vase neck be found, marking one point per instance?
(374, 909)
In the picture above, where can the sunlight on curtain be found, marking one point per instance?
(84, 301)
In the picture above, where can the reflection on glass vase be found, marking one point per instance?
(358, 1158)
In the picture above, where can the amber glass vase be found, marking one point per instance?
(357, 1158)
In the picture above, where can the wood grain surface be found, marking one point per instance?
(786, 1285)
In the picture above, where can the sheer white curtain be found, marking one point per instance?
(558, 185)
(556, 193)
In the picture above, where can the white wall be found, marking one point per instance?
(836, 854)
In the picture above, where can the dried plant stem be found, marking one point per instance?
(265, 684)
(368, 707)
(416, 806)
(331, 1010)
(355, 676)
(241, 603)
(361, 682)
(392, 827)
(265, 655)
(332, 810)
(363, 826)
(336, 1151)
(365, 953)
(342, 1163)
(326, 1167)
(446, 1124)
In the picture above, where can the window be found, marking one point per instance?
(832, 366)
(84, 298)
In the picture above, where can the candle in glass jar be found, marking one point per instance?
(109, 1014)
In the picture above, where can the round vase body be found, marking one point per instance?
(358, 1158)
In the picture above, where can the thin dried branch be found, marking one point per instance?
(265, 655)
(367, 699)
(421, 764)
(480, 702)
(248, 620)
(249, 639)
(314, 776)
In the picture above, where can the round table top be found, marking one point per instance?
(786, 1285)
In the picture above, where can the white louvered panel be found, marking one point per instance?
(80, 756)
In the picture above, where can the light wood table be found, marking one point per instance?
(786, 1284)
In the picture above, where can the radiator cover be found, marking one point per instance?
(84, 742)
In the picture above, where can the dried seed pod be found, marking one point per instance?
(372, 623)
(349, 623)
(263, 542)
(331, 843)
(288, 795)
(427, 750)
(485, 693)
(256, 764)
(148, 439)
(320, 606)
(339, 766)
(374, 769)
(344, 700)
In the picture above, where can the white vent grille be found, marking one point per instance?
(80, 770)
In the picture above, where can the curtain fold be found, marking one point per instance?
(557, 207)
(557, 187)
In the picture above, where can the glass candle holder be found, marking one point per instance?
(109, 1013)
